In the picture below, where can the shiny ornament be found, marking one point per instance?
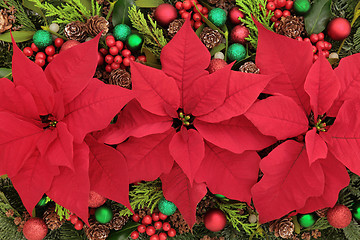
(42, 39)
(35, 229)
(166, 207)
(334, 55)
(42, 202)
(219, 195)
(54, 27)
(356, 210)
(236, 52)
(215, 220)
(239, 33)
(339, 216)
(302, 6)
(103, 214)
(235, 14)
(307, 220)
(217, 16)
(165, 13)
(338, 29)
(134, 41)
(219, 55)
(122, 32)
(68, 44)
(252, 218)
(96, 200)
(216, 64)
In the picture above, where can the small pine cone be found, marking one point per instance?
(213, 1)
(143, 212)
(4, 21)
(225, 4)
(175, 26)
(249, 67)
(10, 213)
(210, 38)
(291, 26)
(96, 24)
(283, 228)
(178, 221)
(52, 219)
(306, 236)
(316, 234)
(322, 212)
(17, 221)
(204, 205)
(96, 230)
(76, 31)
(117, 222)
(121, 78)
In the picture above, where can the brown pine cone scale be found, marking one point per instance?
(291, 26)
(76, 31)
(96, 24)
(210, 38)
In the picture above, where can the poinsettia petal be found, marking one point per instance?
(237, 134)
(33, 180)
(142, 154)
(72, 70)
(94, 108)
(105, 179)
(177, 189)
(243, 90)
(278, 116)
(28, 74)
(207, 92)
(290, 59)
(343, 137)
(134, 121)
(287, 183)
(316, 148)
(187, 149)
(185, 58)
(71, 188)
(154, 89)
(17, 142)
(238, 172)
(336, 178)
(322, 85)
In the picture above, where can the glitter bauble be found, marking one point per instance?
(96, 200)
(68, 44)
(239, 33)
(216, 64)
(165, 13)
(339, 216)
(35, 229)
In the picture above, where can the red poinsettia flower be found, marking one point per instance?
(44, 118)
(185, 114)
(302, 172)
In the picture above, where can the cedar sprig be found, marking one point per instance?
(60, 210)
(21, 16)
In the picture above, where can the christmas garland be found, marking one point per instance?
(193, 119)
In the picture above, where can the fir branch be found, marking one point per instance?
(352, 232)
(62, 212)
(68, 232)
(21, 16)
(320, 224)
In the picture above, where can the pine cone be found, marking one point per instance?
(52, 219)
(210, 37)
(213, 1)
(4, 21)
(249, 67)
(204, 205)
(291, 26)
(322, 212)
(225, 4)
(175, 26)
(121, 78)
(143, 212)
(96, 231)
(10, 213)
(76, 31)
(96, 24)
(316, 234)
(178, 221)
(282, 227)
(117, 222)
(306, 236)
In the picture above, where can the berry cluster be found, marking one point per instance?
(280, 8)
(319, 45)
(154, 231)
(189, 5)
(118, 56)
(78, 224)
(42, 57)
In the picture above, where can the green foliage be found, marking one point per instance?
(154, 39)
(352, 232)
(68, 232)
(318, 17)
(251, 9)
(320, 224)
(62, 212)
(21, 16)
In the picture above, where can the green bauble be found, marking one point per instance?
(302, 6)
(236, 52)
(307, 220)
(42, 201)
(217, 16)
(103, 214)
(219, 196)
(122, 32)
(42, 39)
(166, 207)
(134, 41)
(356, 210)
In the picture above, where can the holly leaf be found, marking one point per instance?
(318, 17)
(148, 3)
(120, 13)
(125, 231)
(19, 36)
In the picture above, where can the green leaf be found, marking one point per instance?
(31, 6)
(5, 73)
(150, 57)
(148, 3)
(216, 49)
(19, 36)
(199, 30)
(318, 17)
(87, 4)
(120, 13)
(124, 233)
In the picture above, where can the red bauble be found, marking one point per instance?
(96, 200)
(35, 229)
(216, 64)
(235, 14)
(239, 33)
(165, 13)
(69, 44)
(339, 216)
(215, 220)
(338, 29)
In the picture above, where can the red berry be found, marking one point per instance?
(158, 225)
(182, 11)
(204, 11)
(119, 45)
(321, 36)
(155, 237)
(126, 53)
(134, 235)
(162, 236)
(281, 3)
(278, 13)
(34, 47)
(126, 62)
(115, 65)
(40, 55)
(104, 51)
(286, 13)
(114, 50)
(277, 23)
(185, 15)
(135, 217)
(186, 5)
(199, 6)
(178, 5)
(166, 226)
(142, 59)
(73, 219)
(314, 49)
(193, 2)
(307, 40)
(92, 211)
(289, 5)
(40, 61)
(192, 23)
(58, 42)
(162, 216)
(109, 37)
(273, 19)
(270, 6)
(314, 38)
(50, 58)
(28, 51)
(299, 39)
(328, 45)
(141, 228)
(197, 17)
(150, 230)
(110, 42)
(327, 54)
(315, 57)
(50, 50)
(197, 25)
(147, 219)
(79, 225)
(155, 215)
(320, 45)
(118, 59)
(108, 68)
(132, 58)
(110, 59)
(206, 15)
(172, 232)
